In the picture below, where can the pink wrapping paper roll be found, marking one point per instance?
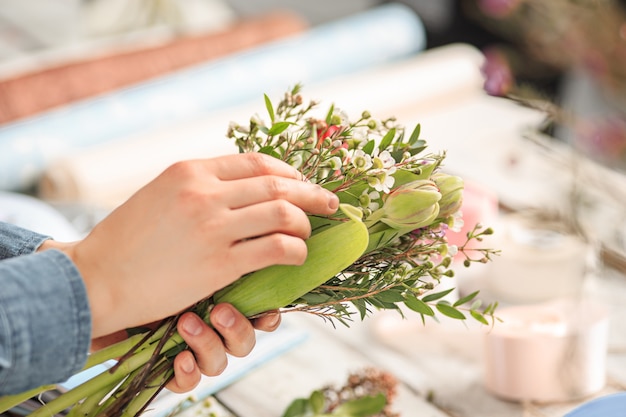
(547, 352)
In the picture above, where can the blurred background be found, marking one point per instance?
(526, 96)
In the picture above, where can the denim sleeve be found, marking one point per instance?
(45, 320)
(15, 241)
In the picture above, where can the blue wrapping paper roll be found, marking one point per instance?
(364, 40)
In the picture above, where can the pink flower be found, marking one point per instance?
(326, 132)
(497, 72)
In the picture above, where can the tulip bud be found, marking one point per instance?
(451, 189)
(412, 205)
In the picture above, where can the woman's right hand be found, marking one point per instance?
(196, 228)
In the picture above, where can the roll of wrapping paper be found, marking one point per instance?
(107, 174)
(49, 87)
(363, 40)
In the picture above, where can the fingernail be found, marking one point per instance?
(273, 319)
(333, 201)
(188, 365)
(225, 317)
(193, 325)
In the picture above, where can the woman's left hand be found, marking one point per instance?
(231, 333)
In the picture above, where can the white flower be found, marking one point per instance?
(256, 119)
(456, 222)
(368, 200)
(385, 159)
(361, 160)
(453, 250)
(334, 163)
(382, 180)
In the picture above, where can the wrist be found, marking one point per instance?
(96, 295)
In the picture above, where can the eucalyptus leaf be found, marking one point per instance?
(436, 296)
(269, 107)
(419, 306)
(465, 299)
(448, 310)
(479, 317)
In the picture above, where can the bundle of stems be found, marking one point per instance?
(386, 247)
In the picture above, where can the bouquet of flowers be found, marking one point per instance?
(385, 248)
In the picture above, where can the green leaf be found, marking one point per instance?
(466, 299)
(491, 308)
(298, 408)
(415, 135)
(391, 296)
(361, 306)
(270, 108)
(278, 128)
(479, 317)
(315, 298)
(329, 115)
(386, 140)
(369, 147)
(269, 150)
(448, 310)
(361, 407)
(436, 296)
(317, 402)
(419, 306)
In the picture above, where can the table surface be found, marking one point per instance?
(439, 366)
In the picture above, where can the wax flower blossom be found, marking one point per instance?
(384, 249)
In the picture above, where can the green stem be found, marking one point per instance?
(9, 401)
(139, 403)
(118, 349)
(91, 403)
(114, 395)
(102, 380)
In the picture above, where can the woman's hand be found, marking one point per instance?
(196, 228)
(230, 333)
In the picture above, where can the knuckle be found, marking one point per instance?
(283, 213)
(260, 163)
(287, 249)
(182, 170)
(216, 368)
(277, 187)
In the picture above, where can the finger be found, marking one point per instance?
(268, 321)
(186, 373)
(232, 167)
(275, 249)
(309, 197)
(270, 217)
(206, 344)
(236, 330)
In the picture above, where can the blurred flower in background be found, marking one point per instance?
(571, 44)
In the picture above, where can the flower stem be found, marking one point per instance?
(102, 380)
(9, 401)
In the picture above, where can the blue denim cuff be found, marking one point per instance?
(16, 241)
(45, 321)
